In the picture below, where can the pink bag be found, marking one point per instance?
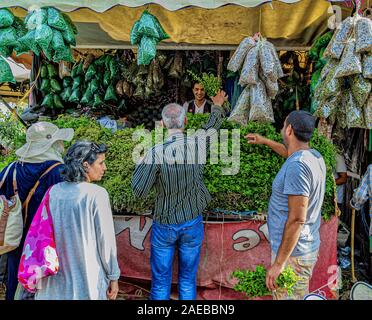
(39, 257)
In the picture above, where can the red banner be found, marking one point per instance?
(227, 246)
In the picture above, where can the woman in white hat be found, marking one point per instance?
(38, 165)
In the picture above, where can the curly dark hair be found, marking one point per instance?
(76, 155)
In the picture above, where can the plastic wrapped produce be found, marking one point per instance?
(354, 114)
(340, 38)
(149, 26)
(363, 32)
(48, 101)
(261, 107)
(57, 102)
(249, 73)
(368, 112)
(240, 53)
(6, 74)
(110, 94)
(29, 40)
(55, 86)
(360, 89)
(330, 65)
(6, 51)
(135, 36)
(350, 63)
(91, 72)
(94, 85)
(97, 101)
(240, 114)
(272, 87)
(330, 87)
(45, 85)
(6, 18)
(8, 37)
(77, 82)
(56, 20)
(67, 82)
(75, 96)
(146, 50)
(36, 18)
(329, 107)
(52, 72)
(268, 61)
(367, 66)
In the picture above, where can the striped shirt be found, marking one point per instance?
(175, 168)
(363, 193)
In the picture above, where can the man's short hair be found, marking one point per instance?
(173, 116)
(194, 82)
(303, 124)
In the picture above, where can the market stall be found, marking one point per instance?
(94, 65)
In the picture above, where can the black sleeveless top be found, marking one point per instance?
(207, 107)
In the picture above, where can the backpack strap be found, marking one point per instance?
(6, 174)
(32, 191)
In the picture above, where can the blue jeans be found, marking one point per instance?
(188, 237)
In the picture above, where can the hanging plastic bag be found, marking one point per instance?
(45, 85)
(331, 86)
(94, 85)
(48, 53)
(21, 31)
(249, 73)
(330, 65)
(149, 26)
(360, 89)
(48, 101)
(6, 74)
(66, 94)
(43, 36)
(70, 23)
(135, 36)
(87, 97)
(55, 86)
(146, 50)
(97, 101)
(57, 102)
(240, 114)
(240, 53)
(267, 60)
(110, 94)
(57, 40)
(261, 107)
(44, 71)
(8, 37)
(363, 35)
(106, 79)
(91, 72)
(340, 38)
(77, 82)
(367, 66)
(354, 114)
(6, 51)
(350, 63)
(67, 82)
(29, 41)
(75, 96)
(69, 36)
(52, 72)
(329, 107)
(272, 87)
(100, 61)
(56, 20)
(6, 18)
(37, 18)
(368, 113)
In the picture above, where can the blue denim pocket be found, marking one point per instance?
(162, 236)
(192, 236)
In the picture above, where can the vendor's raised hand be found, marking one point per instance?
(219, 98)
(254, 138)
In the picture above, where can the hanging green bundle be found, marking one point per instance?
(6, 74)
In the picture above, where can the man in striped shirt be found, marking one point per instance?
(175, 168)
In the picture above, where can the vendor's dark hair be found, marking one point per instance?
(76, 155)
(194, 82)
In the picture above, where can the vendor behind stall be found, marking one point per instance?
(200, 104)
